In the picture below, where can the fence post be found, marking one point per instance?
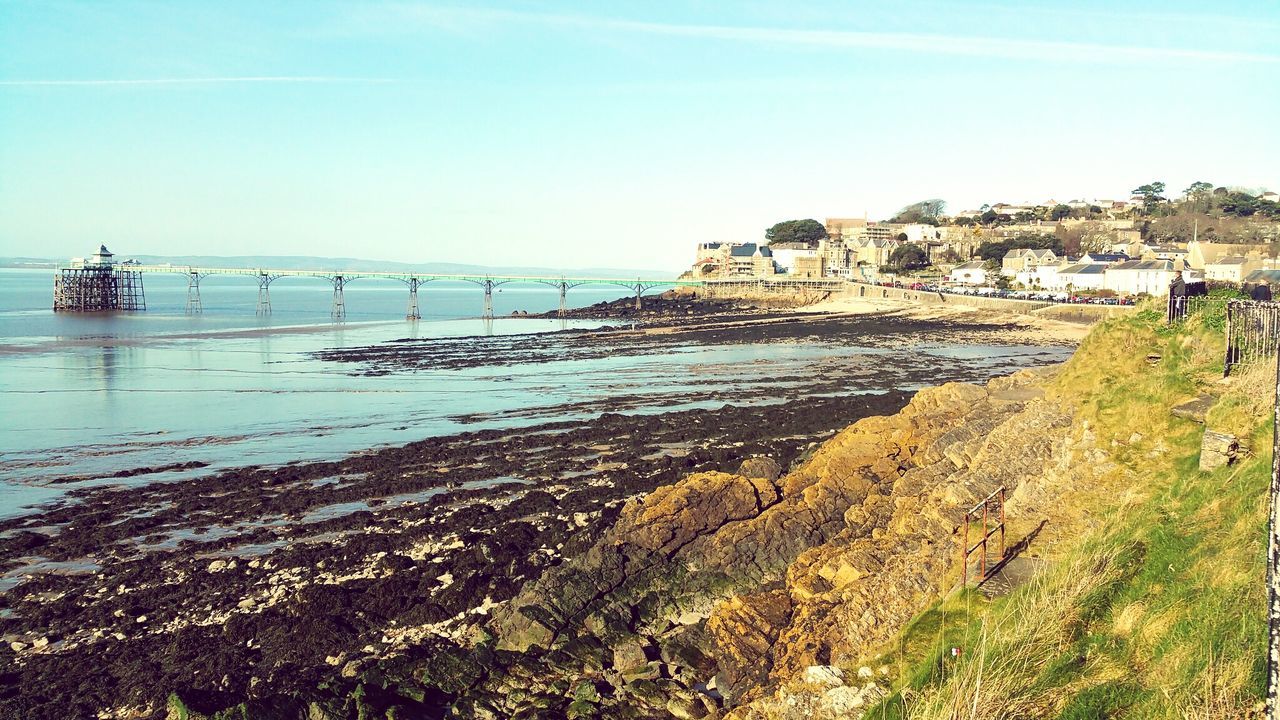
(1273, 563)
(1226, 362)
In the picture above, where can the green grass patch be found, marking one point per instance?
(1158, 609)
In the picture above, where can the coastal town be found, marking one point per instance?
(1078, 249)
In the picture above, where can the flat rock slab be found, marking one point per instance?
(1022, 394)
(1195, 409)
(1015, 573)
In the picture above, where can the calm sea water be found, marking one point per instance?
(91, 395)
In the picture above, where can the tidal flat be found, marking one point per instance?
(227, 582)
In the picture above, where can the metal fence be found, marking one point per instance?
(1253, 332)
(1180, 306)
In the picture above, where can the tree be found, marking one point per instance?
(809, 232)
(1152, 194)
(908, 257)
(1059, 212)
(988, 216)
(925, 211)
(1199, 196)
(995, 251)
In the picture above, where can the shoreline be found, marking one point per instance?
(414, 544)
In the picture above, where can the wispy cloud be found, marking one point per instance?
(457, 18)
(282, 79)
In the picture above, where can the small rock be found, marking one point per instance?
(824, 675)
(40, 642)
(629, 655)
(686, 708)
(141, 619)
(217, 566)
(246, 603)
(865, 672)
(17, 646)
(581, 519)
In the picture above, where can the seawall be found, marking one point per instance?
(772, 291)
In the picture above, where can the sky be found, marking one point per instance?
(600, 134)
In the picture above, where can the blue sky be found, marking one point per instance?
(599, 134)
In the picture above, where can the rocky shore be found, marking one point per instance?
(686, 563)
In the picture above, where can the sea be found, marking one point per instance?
(85, 397)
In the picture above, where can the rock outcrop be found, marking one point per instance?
(721, 593)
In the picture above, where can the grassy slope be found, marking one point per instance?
(1155, 606)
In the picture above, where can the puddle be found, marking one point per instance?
(329, 512)
(41, 566)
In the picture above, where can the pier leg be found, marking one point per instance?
(413, 313)
(639, 288)
(339, 311)
(194, 306)
(264, 294)
(488, 299)
(564, 305)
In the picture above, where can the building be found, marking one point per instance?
(836, 255)
(809, 266)
(1080, 277)
(872, 252)
(1164, 252)
(717, 259)
(786, 254)
(846, 228)
(1233, 268)
(1201, 253)
(1026, 259)
(1152, 277)
(970, 273)
(1103, 258)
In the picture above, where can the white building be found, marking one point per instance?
(1026, 259)
(1081, 276)
(970, 273)
(785, 254)
(1233, 268)
(1152, 277)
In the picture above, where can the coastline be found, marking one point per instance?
(221, 562)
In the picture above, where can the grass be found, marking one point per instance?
(1155, 606)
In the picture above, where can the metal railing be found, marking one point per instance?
(1253, 332)
(990, 513)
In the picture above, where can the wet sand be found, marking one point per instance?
(285, 581)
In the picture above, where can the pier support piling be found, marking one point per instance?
(488, 299)
(339, 311)
(413, 313)
(194, 305)
(264, 293)
(564, 304)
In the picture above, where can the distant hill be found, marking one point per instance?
(303, 262)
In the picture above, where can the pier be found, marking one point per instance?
(98, 284)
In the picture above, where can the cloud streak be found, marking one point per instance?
(452, 18)
(229, 80)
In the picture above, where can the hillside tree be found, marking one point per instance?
(908, 257)
(925, 211)
(809, 232)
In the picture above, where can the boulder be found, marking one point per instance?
(1217, 450)
(760, 467)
